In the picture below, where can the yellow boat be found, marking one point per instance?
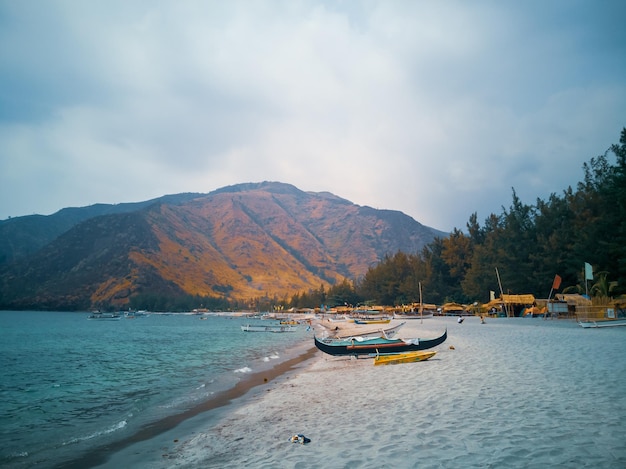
(405, 357)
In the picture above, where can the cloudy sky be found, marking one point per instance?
(434, 108)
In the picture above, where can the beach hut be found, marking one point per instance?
(453, 309)
(515, 304)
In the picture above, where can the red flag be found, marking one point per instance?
(557, 282)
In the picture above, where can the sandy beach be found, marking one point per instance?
(508, 393)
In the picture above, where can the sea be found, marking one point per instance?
(69, 385)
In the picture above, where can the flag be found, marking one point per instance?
(557, 282)
(588, 271)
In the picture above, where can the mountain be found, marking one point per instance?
(238, 242)
(22, 236)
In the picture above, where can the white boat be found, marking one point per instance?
(276, 328)
(97, 315)
(591, 323)
(413, 316)
(385, 333)
(338, 318)
(591, 317)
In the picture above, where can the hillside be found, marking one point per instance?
(240, 242)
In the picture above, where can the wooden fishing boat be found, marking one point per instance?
(373, 321)
(406, 357)
(271, 328)
(353, 346)
(387, 333)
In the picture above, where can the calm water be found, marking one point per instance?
(69, 384)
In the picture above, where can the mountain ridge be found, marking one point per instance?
(239, 242)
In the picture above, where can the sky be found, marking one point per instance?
(438, 109)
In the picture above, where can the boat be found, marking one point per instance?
(413, 316)
(591, 317)
(275, 328)
(372, 321)
(353, 346)
(387, 333)
(137, 314)
(407, 357)
(97, 315)
(338, 319)
(594, 323)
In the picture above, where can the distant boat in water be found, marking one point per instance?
(281, 328)
(97, 315)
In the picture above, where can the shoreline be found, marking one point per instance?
(103, 455)
(496, 395)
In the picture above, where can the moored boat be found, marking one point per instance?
(276, 328)
(97, 315)
(378, 345)
(373, 321)
(406, 357)
(592, 317)
(591, 323)
(387, 333)
(413, 316)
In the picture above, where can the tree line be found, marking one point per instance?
(528, 245)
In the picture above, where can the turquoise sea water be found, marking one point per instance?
(69, 384)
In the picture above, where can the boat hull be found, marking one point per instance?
(408, 357)
(378, 346)
(372, 321)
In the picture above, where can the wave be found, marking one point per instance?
(245, 369)
(111, 429)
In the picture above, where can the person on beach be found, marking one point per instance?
(460, 320)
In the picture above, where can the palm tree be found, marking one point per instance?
(602, 289)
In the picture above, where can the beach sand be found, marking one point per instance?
(508, 393)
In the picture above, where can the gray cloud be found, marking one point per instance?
(433, 108)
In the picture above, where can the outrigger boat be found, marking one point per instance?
(353, 346)
(593, 323)
(407, 357)
(413, 316)
(372, 321)
(387, 333)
